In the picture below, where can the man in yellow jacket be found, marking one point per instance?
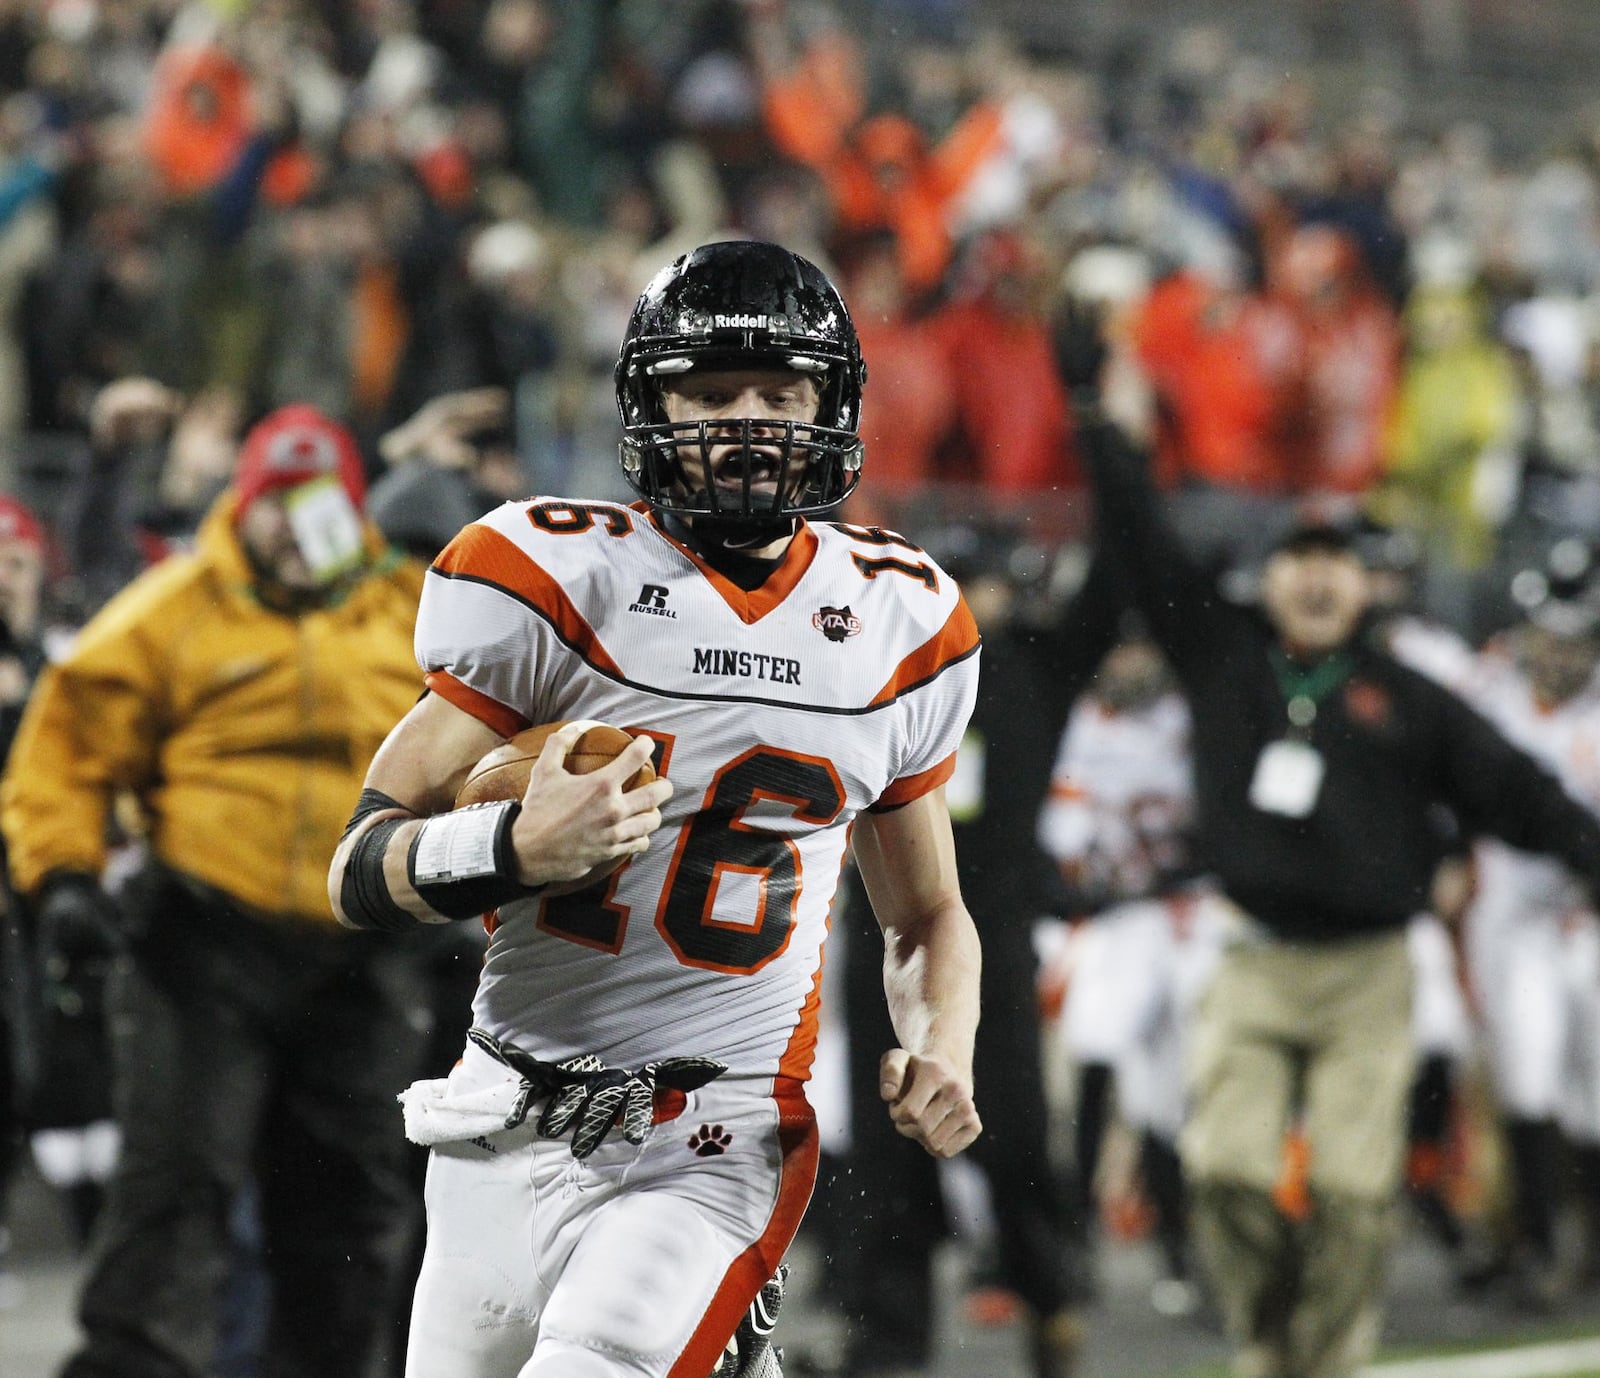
(237, 694)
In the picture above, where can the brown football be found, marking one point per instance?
(503, 773)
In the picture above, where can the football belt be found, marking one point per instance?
(590, 1098)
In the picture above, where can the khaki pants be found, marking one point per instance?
(1322, 1033)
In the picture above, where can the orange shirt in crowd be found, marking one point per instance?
(198, 118)
(908, 407)
(1351, 357)
(1011, 409)
(880, 173)
(1226, 366)
(1352, 374)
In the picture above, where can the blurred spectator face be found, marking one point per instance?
(265, 533)
(1132, 676)
(1006, 270)
(731, 396)
(1321, 268)
(1366, 155)
(21, 581)
(368, 136)
(991, 599)
(481, 130)
(788, 209)
(893, 149)
(1441, 319)
(516, 32)
(301, 489)
(1559, 662)
(357, 226)
(877, 291)
(1314, 598)
(631, 212)
(511, 262)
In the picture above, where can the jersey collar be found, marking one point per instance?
(750, 606)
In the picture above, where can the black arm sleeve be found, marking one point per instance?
(1165, 584)
(1087, 629)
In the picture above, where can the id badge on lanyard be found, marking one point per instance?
(1289, 771)
(1288, 778)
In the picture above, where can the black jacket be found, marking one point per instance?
(1395, 746)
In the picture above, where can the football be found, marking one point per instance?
(503, 773)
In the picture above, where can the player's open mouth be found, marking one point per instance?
(761, 466)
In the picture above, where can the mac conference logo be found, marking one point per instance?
(836, 623)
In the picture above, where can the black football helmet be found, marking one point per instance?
(741, 305)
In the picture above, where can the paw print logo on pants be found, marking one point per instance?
(710, 1140)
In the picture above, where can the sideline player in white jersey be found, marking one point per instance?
(1533, 939)
(1117, 823)
(625, 1150)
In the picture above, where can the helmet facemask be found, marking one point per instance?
(780, 468)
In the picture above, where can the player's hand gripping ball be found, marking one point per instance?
(503, 774)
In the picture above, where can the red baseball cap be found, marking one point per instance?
(17, 523)
(294, 445)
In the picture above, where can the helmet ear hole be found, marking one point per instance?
(743, 304)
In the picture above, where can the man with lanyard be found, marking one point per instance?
(1321, 764)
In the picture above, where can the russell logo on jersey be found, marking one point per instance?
(652, 599)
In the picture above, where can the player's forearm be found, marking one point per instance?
(369, 883)
(930, 978)
(393, 870)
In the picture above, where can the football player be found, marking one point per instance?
(1117, 823)
(625, 1150)
(1532, 936)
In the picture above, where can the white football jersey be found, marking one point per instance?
(1121, 795)
(1566, 740)
(844, 681)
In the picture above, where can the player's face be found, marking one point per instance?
(724, 398)
(1314, 598)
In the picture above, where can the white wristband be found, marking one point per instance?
(461, 844)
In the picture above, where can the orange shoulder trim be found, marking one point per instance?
(954, 641)
(490, 712)
(482, 554)
(909, 787)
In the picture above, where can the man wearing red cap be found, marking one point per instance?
(236, 694)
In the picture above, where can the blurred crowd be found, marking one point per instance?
(429, 219)
(364, 206)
